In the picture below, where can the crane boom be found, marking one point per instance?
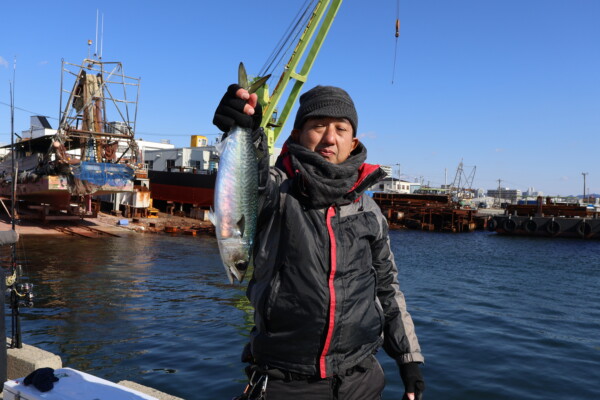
(320, 22)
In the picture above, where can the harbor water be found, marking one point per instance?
(497, 317)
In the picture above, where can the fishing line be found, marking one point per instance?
(397, 36)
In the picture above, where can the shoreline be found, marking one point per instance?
(109, 224)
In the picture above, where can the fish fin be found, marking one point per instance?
(243, 80)
(242, 76)
(239, 270)
(230, 274)
(220, 147)
(258, 83)
(212, 217)
(241, 224)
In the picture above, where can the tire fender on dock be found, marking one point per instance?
(509, 225)
(530, 226)
(492, 224)
(584, 229)
(553, 227)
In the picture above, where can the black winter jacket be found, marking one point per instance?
(325, 285)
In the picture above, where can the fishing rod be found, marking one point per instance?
(20, 294)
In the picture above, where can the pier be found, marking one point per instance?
(428, 212)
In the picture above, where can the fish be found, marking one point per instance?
(235, 211)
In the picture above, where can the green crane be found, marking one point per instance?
(319, 23)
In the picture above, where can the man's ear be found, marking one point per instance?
(355, 142)
(295, 135)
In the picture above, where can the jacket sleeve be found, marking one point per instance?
(400, 339)
(262, 154)
(269, 178)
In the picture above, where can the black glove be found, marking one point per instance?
(42, 378)
(412, 379)
(230, 112)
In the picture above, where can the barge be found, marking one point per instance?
(547, 219)
(429, 212)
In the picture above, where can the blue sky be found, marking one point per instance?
(511, 87)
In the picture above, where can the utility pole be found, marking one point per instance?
(446, 178)
(499, 192)
(584, 175)
(399, 176)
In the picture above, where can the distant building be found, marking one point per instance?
(531, 192)
(199, 159)
(511, 195)
(392, 185)
(145, 145)
(433, 190)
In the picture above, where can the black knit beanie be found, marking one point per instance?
(326, 101)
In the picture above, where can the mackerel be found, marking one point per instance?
(236, 194)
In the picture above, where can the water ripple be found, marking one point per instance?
(497, 317)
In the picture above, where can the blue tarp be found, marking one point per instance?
(101, 174)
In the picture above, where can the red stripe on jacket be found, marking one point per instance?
(331, 323)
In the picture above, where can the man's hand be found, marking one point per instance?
(414, 385)
(238, 107)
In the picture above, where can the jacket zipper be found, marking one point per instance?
(332, 298)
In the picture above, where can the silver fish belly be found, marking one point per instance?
(236, 201)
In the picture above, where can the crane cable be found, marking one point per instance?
(289, 38)
(397, 36)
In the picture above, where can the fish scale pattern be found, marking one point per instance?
(236, 200)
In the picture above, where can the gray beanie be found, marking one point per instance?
(326, 101)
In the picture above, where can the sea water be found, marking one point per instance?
(497, 317)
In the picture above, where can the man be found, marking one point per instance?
(325, 288)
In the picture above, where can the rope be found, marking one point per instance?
(11, 279)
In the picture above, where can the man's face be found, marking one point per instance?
(332, 138)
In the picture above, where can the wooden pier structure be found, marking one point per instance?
(428, 212)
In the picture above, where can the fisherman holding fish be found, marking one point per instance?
(325, 284)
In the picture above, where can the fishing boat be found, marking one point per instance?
(92, 153)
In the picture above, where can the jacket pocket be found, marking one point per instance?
(378, 306)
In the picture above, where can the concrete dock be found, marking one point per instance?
(21, 362)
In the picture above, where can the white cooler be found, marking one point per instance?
(73, 385)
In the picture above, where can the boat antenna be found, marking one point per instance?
(99, 23)
(96, 41)
(101, 37)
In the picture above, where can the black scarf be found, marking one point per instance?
(321, 183)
